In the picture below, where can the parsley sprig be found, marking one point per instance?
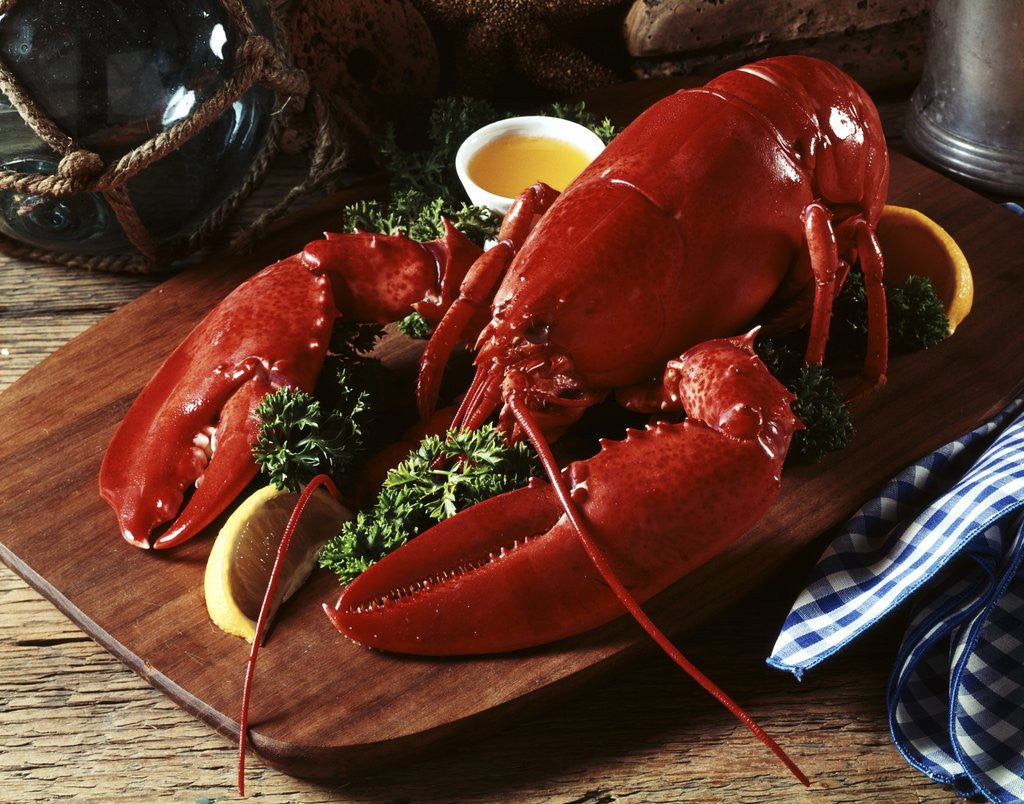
(302, 435)
(916, 320)
(443, 476)
(824, 413)
(299, 439)
(420, 217)
(916, 316)
(819, 404)
(578, 113)
(423, 185)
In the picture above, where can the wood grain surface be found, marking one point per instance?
(644, 735)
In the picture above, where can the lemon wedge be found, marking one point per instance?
(915, 245)
(243, 554)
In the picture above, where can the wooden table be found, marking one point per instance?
(75, 722)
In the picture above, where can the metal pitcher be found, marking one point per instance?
(967, 114)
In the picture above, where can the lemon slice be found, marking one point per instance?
(915, 245)
(243, 554)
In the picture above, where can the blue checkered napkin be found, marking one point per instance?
(988, 692)
(950, 528)
(964, 646)
(899, 540)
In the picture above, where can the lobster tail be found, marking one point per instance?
(827, 120)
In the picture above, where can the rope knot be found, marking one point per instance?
(80, 164)
(255, 50)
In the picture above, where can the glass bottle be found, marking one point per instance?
(112, 74)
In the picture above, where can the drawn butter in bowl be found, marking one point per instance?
(497, 162)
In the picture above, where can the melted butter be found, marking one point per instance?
(509, 165)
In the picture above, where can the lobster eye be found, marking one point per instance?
(537, 332)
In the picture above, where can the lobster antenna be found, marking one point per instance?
(261, 621)
(630, 603)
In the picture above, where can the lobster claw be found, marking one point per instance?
(470, 583)
(553, 560)
(517, 570)
(195, 421)
(511, 572)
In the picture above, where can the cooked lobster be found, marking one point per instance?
(745, 200)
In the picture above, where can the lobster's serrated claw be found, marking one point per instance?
(526, 568)
(195, 420)
(456, 588)
(512, 573)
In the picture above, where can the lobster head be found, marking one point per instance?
(828, 124)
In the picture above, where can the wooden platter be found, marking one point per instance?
(325, 707)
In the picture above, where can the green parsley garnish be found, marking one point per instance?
(302, 435)
(415, 326)
(823, 412)
(916, 316)
(298, 439)
(916, 320)
(423, 184)
(819, 405)
(579, 113)
(442, 477)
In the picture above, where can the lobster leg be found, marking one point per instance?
(824, 252)
(823, 244)
(195, 421)
(871, 264)
(476, 291)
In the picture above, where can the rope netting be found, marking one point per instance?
(258, 59)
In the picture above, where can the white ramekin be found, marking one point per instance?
(530, 126)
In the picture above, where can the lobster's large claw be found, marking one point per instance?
(514, 571)
(511, 573)
(470, 584)
(195, 421)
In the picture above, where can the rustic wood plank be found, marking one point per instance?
(44, 306)
(73, 716)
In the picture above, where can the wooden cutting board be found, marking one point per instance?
(326, 707)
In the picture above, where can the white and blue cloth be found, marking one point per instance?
(949, 532)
